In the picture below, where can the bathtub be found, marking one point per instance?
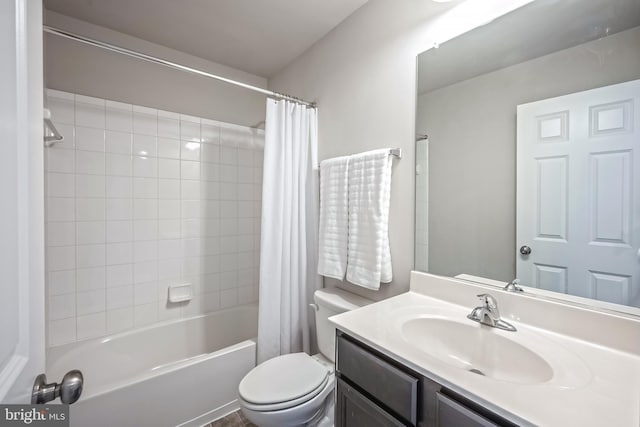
(178, 373)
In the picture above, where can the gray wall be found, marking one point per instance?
(74, 67)
(472, 149)
(362, 74)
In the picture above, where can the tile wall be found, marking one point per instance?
(139, 199)
(422, 206)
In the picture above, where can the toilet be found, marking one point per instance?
(297, 389)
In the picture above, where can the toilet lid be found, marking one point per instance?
(282, 379)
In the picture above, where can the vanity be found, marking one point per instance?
(374, 390)
(417, 360)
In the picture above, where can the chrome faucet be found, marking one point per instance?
(488, 314)
(514, 286)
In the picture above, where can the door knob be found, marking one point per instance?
(525, 250)
(69, 390)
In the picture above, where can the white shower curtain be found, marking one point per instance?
(288, 248)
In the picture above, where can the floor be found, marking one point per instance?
(234, 419)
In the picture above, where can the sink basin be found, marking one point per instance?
(478, 349)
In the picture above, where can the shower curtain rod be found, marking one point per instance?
(176, 66)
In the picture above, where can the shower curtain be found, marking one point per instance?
(288, 248)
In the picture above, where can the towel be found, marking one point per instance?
(369, 254)
(332, 257)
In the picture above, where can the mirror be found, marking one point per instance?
(531, 167)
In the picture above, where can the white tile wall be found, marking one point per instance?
(139, 199)
(422, 205)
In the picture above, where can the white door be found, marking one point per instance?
(22, 339)
(578, 193)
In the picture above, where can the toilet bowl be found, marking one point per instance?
(292, 390)
(297, 389)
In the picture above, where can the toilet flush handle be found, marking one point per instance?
(314, 306)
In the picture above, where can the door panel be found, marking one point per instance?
(611, 210)
(551, 203)
(22, 193)
(610, 287)
(577, 168)
(550, 277)
(9, 330)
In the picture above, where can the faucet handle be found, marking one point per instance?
(514, 286)
(489, 302)
(487, 299)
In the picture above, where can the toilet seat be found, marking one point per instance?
(283, 382)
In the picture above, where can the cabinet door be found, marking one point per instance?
(453, 414)
(394, 387)
(355, 410)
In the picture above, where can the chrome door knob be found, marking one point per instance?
(69, 390)
(525, 250)
(71, 386)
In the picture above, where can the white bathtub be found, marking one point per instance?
(183, 372)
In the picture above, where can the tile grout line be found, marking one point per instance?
(104, 149)
(75, 218)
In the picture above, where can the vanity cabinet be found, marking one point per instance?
(375, 391)
(356, 410)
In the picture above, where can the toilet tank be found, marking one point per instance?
(329, 302)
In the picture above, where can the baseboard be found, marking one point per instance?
(212, 415)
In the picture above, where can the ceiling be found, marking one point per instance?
(259, 37)
(537, 29)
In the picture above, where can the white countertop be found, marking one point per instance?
(596, 386)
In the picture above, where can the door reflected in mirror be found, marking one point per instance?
(531, 168)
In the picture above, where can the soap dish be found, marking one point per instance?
(180, 293)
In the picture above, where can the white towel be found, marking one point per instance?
(369, 255)
(334, 208)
